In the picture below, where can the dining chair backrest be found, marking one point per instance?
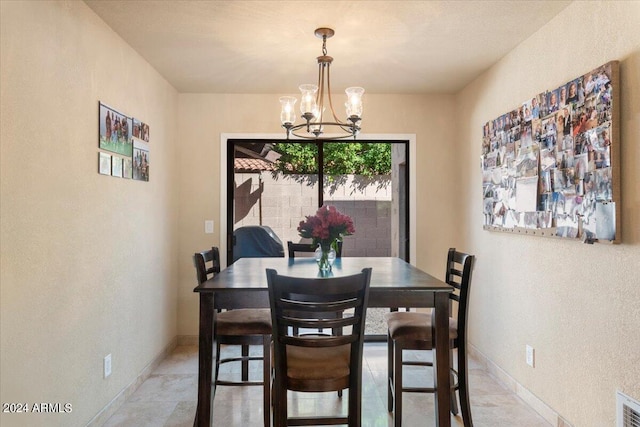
(207, 264)
(458, 275)
(292, 248)
(313, 303)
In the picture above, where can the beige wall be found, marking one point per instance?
(88, 261)
(204, 117)
(576, 304)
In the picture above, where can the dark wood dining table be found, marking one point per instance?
(394, 283)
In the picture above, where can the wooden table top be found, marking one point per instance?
(389, 273)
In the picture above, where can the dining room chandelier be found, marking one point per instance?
(314, 100)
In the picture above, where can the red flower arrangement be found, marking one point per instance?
(326, 227)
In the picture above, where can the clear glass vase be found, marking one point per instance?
(325, 256)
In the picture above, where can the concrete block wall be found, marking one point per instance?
(282, 201)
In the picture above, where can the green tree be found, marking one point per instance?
(340, 158)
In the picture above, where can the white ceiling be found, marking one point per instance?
(269, 46)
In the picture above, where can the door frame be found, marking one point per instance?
(224, 137)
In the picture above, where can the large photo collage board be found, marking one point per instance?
(551, 166)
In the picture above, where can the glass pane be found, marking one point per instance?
(276, 185)
(362, 181)
(358, 182)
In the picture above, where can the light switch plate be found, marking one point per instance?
(530, 356)
(208, 226)
(107, 365)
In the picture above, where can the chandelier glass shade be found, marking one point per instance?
(315, 99)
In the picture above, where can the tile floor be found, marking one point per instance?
(168, 397)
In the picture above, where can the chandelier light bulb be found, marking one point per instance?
(288, 115)
(317, 129)
(308, 98)
(354, 102)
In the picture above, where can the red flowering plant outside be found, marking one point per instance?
(326, 227)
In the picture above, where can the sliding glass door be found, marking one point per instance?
(275, 184)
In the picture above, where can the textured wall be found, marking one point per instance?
(576, 304)
(88, 261)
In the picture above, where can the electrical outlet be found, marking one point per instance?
(208, 226)
(107, 365)
(530, 356)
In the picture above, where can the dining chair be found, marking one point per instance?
(243, 327)
(318, 363)
(292, 248)
(414, 331)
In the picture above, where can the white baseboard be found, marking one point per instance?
(188, 340)
(495, 371)
(115, 403)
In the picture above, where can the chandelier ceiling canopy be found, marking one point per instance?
(315, 99)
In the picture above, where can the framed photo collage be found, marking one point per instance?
(551, 168)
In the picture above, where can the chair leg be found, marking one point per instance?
(463, 389)
(279, 404)
(397, 385)
(217, 367)
(266, 378)
(454, 400)
(389, 373)
(245, 363)
(355, 406)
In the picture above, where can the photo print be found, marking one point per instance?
(552, 102)
(575, 92)
(546, 181)
(562, 96)
(580, 165)
(527, 161)
(550, 132)
(114, 131)
(529, 220)
(140, 164)
(563, 122)
(596, 81)
(526, 108)
(547, 159)
(104, 163)
(566, 226)
(545, 219)
(141, 130)
(527, 194)
(127, 168)
(603, 137)
(116, 166)
(589, 185)
(565, 159)
(603, 191)
(606, 221)
(545, 202)
(542, 102)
